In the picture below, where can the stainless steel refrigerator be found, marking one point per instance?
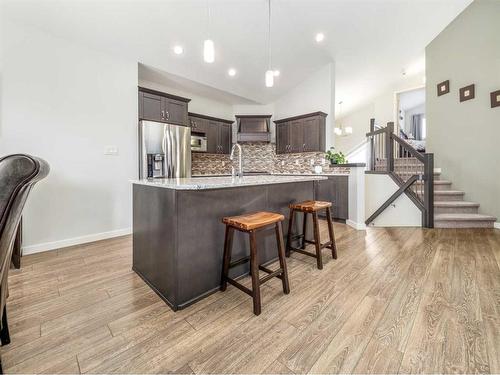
(164, 150)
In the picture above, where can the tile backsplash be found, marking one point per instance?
(262, 157)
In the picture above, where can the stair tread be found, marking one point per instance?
(464, 217)
(436, 182)
(455, 204)
(449, 192)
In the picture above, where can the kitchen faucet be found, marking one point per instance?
(240, 158)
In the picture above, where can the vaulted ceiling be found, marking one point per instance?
(371, 41)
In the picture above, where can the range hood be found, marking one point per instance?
(253, 128)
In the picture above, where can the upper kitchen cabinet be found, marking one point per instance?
(282, 140)
(162, 107)
(218, 137)
(305, 133)
(218, 132)
(253, 128)
(198, 124)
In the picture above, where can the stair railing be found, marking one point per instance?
(412, 170)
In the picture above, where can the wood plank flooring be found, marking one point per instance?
(405, 300)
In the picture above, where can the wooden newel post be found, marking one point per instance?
(389, 147)
(429, 190)
(372, 145)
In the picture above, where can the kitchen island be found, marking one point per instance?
(178, 236)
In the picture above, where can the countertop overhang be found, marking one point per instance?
(204, 183)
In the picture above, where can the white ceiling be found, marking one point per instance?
(371, 41)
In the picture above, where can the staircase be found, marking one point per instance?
(450, 208)
(414, 173)
(452, 211)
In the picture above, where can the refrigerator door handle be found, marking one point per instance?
(166, 168)
(169, 152)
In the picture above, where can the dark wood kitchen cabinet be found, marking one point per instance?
(218, 132)
(225, 138)
(282, 141)
(218, 138)
(212, 137)
(335, 190)
(305, 133)
(296, 136)
(198, 125)
(162, 107)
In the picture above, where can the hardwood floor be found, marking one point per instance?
(396, 300)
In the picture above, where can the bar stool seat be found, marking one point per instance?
(253, 220)
(250, 223)
(311, 207)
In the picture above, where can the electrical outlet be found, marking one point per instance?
(223, 163)
(311, 161)
(111, 150)
(297, 162)
(282, 163)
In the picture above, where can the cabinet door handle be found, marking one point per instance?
(168, 115)
(304, 147)
(163, 115)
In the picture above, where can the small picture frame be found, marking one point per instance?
(443, 87)
(495, 99)
(467, 93)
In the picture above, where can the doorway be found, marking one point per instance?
(411, 124)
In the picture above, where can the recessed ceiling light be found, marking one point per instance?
(231, 72)
(320, 37)
(178, 50)
(276, 73)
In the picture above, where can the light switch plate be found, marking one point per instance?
(111, 150)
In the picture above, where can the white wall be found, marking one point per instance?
(317, 93)
(381, 108)
(465, 137)
(402, 213)
(66, 103)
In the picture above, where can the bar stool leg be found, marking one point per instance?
(254, 268)
(333, 245)
(319, 259)
(289, 234)
(281, 255)
(304, 231)
(228, 247)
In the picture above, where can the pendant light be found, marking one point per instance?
(208, 44)
(270, 71)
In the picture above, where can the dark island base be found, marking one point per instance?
(178, 236)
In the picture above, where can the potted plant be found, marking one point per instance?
(335, 157)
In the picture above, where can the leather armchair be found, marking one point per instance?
(18, 174)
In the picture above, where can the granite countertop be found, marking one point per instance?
(203, 183)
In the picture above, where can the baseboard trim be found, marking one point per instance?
(496, 225)
(47, 246)
(357, 226)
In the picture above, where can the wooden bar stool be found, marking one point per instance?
(250, 223)
(311, 207)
